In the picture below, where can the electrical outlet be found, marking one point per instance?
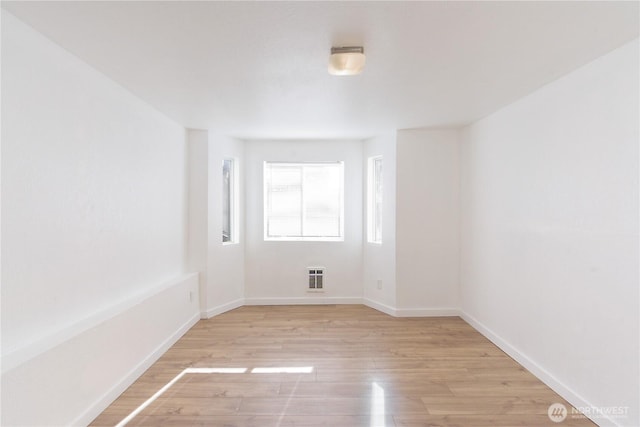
(190, 296)
(379, 283)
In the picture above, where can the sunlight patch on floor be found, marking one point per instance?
(377, 406)
(260, 370)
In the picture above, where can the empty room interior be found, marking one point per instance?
(381, 214)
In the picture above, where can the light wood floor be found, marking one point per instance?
(365, 369)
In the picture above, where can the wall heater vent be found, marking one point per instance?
(316, 278)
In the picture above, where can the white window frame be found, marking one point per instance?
(267, 237)
(374, 199)
(234, 202)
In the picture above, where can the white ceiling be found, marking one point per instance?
(259, 69)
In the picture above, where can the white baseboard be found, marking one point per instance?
(411, 312)
(391, 311)
(427, 312)
(107, 399)
(318, 299)
(542, 374)
(303, 300)
(223, 308)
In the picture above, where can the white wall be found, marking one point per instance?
(225, 263)
(379, 259)
(93, 220)
(427, 222)
(198, 248)
(550, 232)
(276, 271)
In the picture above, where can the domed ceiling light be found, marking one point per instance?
(346, 61)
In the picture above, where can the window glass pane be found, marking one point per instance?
(227, 199)
(377, 224)
(322, 201)
(284, 201)
(230, 208)
(374, 205)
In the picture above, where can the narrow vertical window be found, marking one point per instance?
(374, 202)
(229, 200)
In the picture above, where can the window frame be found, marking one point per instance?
(303, 238)
(234, 201)
(375, 183)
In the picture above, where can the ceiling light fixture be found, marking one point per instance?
(346, 61)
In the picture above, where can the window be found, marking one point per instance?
(374, 200)
(229, 202)
(303, 201)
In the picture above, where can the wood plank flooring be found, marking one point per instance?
(355, 367)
